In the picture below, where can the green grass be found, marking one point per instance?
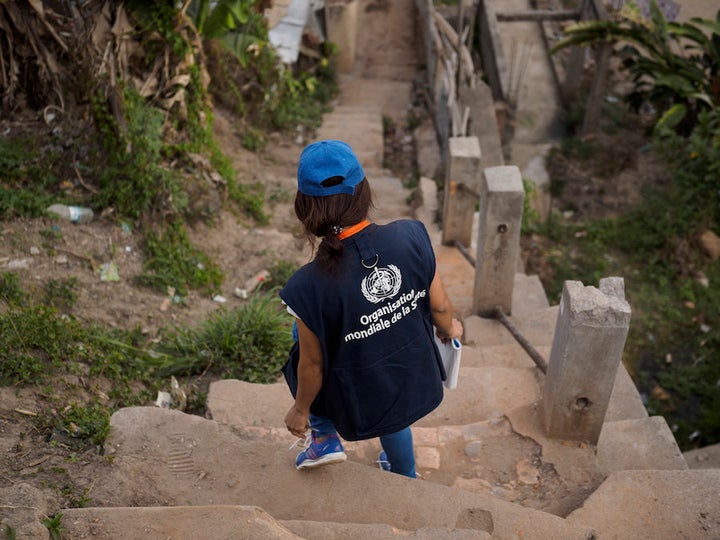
(39, 345)
(250, 342)
(173, 262)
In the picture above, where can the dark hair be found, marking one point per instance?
(319, 215)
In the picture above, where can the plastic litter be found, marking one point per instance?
(176, 398)
(74, 214)
(241, 293)
(109, 272)
(255, 281)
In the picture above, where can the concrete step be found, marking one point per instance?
(654, 504)
(223, 522)
(528, 294)
(341, 531)
(645, 443)
(366, 108)
(707, 457)
(366, 143)
(485, 393)
(510, 355)
(392, 96)
(481, 394)
(390, 198)
(401, 71)
(230, 523)
(536, 326)
(478, 450)
(189, 460)
(625, 400)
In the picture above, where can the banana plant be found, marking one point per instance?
(674, 66)
(238, 24)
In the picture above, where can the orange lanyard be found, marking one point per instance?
(347, 233)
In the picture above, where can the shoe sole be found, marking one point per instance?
(327, 459)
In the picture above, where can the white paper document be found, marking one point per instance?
(450, 353)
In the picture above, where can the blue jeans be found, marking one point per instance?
(398, 446)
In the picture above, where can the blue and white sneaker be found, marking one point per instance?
(383, 462)
(320, 452)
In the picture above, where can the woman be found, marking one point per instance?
(365, 363)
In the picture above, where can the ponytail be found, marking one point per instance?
(321, 217)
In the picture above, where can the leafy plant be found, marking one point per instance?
(54, 526)
(250, 343)
(670, 63)
(695, 160)
(237, 23)
(90, 422)
(172, 261)
(10, 290)
(135, 182)
(60, 293)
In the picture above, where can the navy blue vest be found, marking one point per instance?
(381, 370)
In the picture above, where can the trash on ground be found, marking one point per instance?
(109, 272)
(164, 400)
(175, 399)
(241, 293)
(74, 214)
(255, 281)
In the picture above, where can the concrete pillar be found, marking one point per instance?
(590, 334)
(341, 17)
(462, 180)
(501, 206)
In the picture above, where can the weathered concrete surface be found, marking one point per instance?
(589, 339)
(241, 403)
(177, 522)
(343, 531)
(193, 461)
(342, 30)
(462, 178)
(537, 326)
(625, 401)
(654, 504)
(485, 393)
(645, 443)
(704, 458)
(511, 355)
(498, 244)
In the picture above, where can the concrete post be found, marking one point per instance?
(501, 206)
(341, 20)
(462, 179)
(590, 334)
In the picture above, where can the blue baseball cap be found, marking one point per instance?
(327, 159)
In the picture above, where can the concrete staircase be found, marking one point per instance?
(487, 469)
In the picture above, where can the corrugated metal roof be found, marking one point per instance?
(286, 34)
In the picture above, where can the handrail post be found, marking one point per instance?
(498, 247)
(462, 177)
(590, 334)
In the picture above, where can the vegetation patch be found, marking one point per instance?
(672, 286)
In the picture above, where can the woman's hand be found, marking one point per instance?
(456, 332)
(297, 421)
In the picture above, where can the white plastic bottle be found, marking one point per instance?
(74, 214)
